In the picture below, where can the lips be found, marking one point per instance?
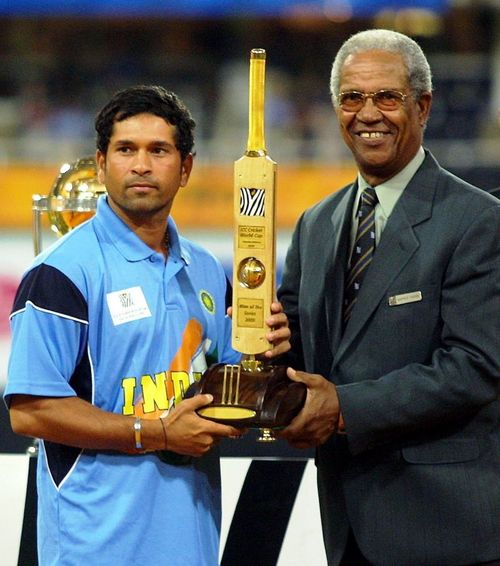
(141, 185)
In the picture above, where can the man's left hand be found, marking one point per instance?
(319, 418)
(279, 335)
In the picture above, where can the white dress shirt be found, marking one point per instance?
(388, 194)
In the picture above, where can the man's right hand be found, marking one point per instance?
(191, 435)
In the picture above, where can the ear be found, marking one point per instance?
(100, 160)
(186, 167)
(424, 107)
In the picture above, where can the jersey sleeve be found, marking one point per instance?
(49, 325)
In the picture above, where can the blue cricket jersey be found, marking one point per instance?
(102, 316)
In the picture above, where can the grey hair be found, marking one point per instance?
(419, 71)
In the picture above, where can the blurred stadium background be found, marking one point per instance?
(60, 61)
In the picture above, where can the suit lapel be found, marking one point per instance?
(396, 247)
(341, 221)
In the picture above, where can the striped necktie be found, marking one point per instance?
(364, 247)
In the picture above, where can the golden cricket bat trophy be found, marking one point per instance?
(253, 394)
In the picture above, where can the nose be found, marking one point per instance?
(369, 111)
(142, 163)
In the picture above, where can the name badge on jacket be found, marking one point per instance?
(405, 298)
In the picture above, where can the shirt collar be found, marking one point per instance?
(111, 228)
(388, 193)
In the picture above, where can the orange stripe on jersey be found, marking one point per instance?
(191, 341)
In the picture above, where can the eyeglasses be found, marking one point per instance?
(353, 100)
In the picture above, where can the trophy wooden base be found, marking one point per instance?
(264, 397)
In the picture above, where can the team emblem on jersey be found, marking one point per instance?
(207, 301)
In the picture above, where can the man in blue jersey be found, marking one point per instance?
(110, 326)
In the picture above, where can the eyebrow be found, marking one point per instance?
(162, 143)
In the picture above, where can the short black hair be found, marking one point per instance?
(147, 99)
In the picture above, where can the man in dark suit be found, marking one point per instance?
(403, 369)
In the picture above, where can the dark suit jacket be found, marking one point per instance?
(495, 192)
(417, 476)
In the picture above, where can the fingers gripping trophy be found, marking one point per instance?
(253, 394)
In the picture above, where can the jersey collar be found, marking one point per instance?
(111, 228)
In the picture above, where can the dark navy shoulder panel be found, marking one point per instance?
(81, 380)
(48, 288)
(60, 460)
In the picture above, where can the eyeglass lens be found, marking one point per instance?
(383, 99)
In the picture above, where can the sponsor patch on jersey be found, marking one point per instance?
(207, 301)
(127, 305)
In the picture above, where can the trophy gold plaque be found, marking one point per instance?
(253, 394)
